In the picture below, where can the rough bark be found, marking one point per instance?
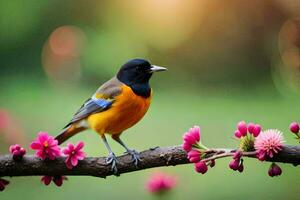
(96, 166)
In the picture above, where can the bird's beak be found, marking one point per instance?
(155, 68)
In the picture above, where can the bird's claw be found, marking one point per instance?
(112, 159)
(135, 157)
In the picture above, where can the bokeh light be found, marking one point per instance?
(61, 53)
(287, 66)
(11, 130)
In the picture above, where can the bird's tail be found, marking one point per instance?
(68, 132)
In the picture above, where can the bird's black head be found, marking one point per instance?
(136, 74)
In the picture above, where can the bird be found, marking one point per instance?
(116, 106)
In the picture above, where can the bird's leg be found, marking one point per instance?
(134, 154)
(111, 158)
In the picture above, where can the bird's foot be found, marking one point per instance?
(135, 157)
(112, 159)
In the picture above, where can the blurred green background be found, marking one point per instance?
(228, 61)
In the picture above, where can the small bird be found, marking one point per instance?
(116, 106)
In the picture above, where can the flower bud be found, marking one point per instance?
(17, 151)
(212, 163)
(237, 134)
(194, 156)
(195, 132)
(234, 164)
(251, 127)
(242, 127)
(189, 138)
(58, 180)
(46, 179)
(237, 155)
(274, 170)
(241, 167)
(3, 184)
(201, 167)
(294, 127)
(257, 130)
(186, 146)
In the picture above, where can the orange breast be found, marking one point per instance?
(126, 111)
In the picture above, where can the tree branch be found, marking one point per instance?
(94, 166)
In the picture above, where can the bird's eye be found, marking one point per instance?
(138, 68)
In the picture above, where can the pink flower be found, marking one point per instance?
(17, 151)
(3, 184)
(159, 183)
(73, 153)
(191, 138)
(268, 143)
(201, 167)
(46, 146)
(294, 127)
(242, 127)
(194, 156)
(58, 180)
(274, 170)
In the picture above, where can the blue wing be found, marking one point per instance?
(91, 106)
(101, 101)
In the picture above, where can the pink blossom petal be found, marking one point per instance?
(51, 156)
(270, 154)
(189, 138)
(52, 142)
(194, 159)
(68, 164)
(268, 143)
(186, 146)
(66, 151)
(195, 132)
(42, 137)
(80, 155)
(35, 145)
(70, 147)
(79, 146)
(74, 161)
(41, 154)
